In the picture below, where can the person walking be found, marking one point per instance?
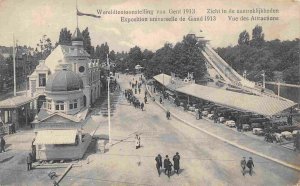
(176, 160)
(139, 90)
(243, 166)
(168, 114)
(29, 162)
(137, 141)
(168, 166)
(2, 145)
(142, 106)
(145, 99)
(160, 100)
(250, 165)
(33, 150)
(13, 128)
(158, 160)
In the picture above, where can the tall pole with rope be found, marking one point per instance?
(76, 14)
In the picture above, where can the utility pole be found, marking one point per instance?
(264, 79)
(14, 65)
(108, 100)
(278, 89)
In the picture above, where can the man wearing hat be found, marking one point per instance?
(250, 165)
(168, 166)
(158, 160)
(176, 159)
(243, 165)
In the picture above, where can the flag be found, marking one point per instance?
(84, 14)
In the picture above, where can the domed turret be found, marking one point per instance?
(77, 38)
(64, 80)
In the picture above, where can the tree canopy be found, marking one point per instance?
(65, 37)
(269, 56)
(183, 58)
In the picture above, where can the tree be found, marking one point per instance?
(112, 55)
(87, 40)
(45, 46)
(185, 57)
(65, 37)
(244, 38)
(257, 36)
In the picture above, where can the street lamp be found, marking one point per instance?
(264, 79)
(108, 99)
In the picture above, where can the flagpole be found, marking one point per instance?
(14, 61)
(108, 100)
(76, 14)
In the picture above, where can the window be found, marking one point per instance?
(81, 69)
(75, 103)
(59, 105)
(42, 80)
(71, 106)
(49, 106)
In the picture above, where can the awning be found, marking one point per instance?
(47, 137)
(264, 105)
(15, 102)
(166, 81)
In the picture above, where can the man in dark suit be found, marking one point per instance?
(176, 160)
(158, 160)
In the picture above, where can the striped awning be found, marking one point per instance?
(47, 137)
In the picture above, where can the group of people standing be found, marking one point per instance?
(136, 86)
(168, 164)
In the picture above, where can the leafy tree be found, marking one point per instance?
(65, 37)
(45, 46)
(87, 40)
(185, 57)
(112, 55)
(271, 56)
(244, 38)
(257, 36)
(292, 75)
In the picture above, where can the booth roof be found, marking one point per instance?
(263, 105)
(47, 137)
(260, 104)
(15, 102)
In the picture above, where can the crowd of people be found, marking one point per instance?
(168, 164)
(133, 100)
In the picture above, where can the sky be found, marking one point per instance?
(29, 20)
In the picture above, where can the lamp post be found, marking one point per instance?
(108, 100)
(264, 79)
(278, 89)
(14, 66)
